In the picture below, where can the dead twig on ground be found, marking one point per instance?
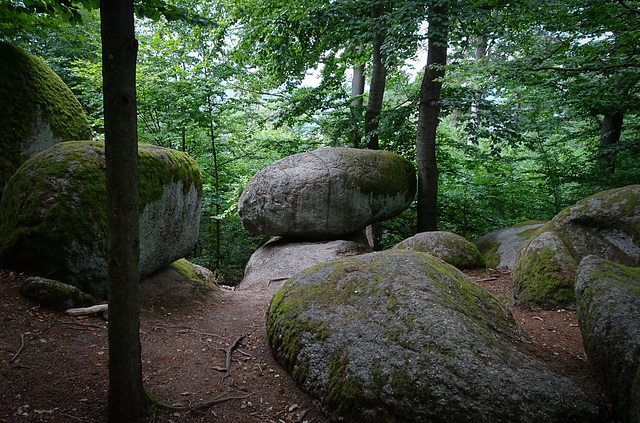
(19, 349)
(229, 352)
(216, 400)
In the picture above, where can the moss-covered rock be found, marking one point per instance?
(500, 247)
(37, 110)
(53, 294)
(450, 247)
(53, 215)
(606, 224)
(608, 296)
(402, 336)
(327, 193)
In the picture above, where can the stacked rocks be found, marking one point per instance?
(318, 202)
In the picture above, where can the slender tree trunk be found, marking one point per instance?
(481, 52)
(428, 111)
(127, 398)
(609, 135)
(357, 90)
(216, 178)
(378, 82)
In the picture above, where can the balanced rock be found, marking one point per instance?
(53, 217)
(606, 224)
(447, 246)
(327, 193)
(608, 296)
(37, 110)
(401, 336)
(282, 258)
(500, 247)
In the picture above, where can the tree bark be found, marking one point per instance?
(378, 82)
(428, 111)
(609, 135)
(481, 52)
(128, 400)
(357, 90)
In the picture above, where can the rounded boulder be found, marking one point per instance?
(326, 193)
(38, 110)
(53, 216)
(401, 336)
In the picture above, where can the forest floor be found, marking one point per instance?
(54, 368)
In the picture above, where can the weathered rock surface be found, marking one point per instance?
(401, 336)
(53, 294)
(608, 296)
(500, 247)
(53, 213)
(282, 258)
(447, 246)
(327, 193)
(606, 224)
(180, 282)
(37, 110)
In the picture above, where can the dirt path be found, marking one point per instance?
(60, 375)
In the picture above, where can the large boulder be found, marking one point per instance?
(401, 336)
(606, 224)
(500, 247)
(608, 297)
(327, 193)
(37, 110)
(53, 214)
(450, 247)
(282, 258)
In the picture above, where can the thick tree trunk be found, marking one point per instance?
(428, 111)
(609, 135)
(378, 82)
(127, 398)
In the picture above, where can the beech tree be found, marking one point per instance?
(128, 400)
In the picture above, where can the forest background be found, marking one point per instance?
(538, 109)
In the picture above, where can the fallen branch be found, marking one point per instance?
(89, 325)
(85, 311)
(19, 349)
(217, 400)
(229, 352)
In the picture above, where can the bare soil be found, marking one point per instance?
(54, 368)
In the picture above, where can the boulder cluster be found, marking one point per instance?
(53, 189)
(317, 204)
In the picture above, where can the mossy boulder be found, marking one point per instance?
(281, 258)
(327, 193)
(402, 336)
(500, 247)
(608, 296)
(606, 224)
(53, 294)
(37, 110)
(450, 247)
(53, 214)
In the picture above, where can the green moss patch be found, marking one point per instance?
(28, 88)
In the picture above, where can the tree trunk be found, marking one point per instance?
(127, 398)
(378, 82)
(357, 90)
(609, 135)
(481, 52)
(428, 110)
